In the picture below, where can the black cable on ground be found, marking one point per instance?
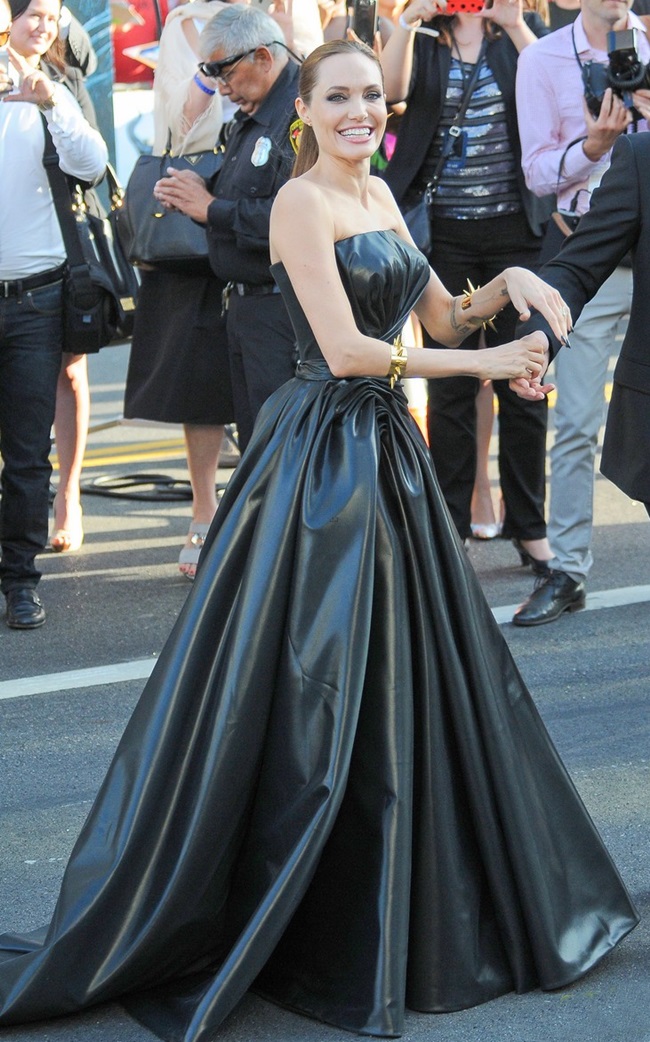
(156, 488)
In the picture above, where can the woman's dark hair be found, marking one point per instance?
(55, 56)
(309, 70)
(445, 24)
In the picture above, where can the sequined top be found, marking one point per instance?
(479, 178)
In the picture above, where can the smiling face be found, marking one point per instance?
(36, 29)
(347, 108)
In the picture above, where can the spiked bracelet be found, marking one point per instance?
(466, 303)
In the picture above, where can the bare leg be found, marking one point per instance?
(203, 445)
(71, 431)
(484, 523)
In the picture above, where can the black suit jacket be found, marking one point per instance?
(618, 220)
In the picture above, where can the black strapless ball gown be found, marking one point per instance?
(335, 788)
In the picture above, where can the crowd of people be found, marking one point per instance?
(335, 788)
(200, 354)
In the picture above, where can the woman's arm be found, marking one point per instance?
(81, 149)
(349, 352)
(180, 104)
(510, 17)
(397, 54)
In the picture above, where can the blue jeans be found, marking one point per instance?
(31, 334)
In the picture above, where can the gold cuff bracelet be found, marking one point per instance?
(398, 361)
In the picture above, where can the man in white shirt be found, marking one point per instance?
(32, 260)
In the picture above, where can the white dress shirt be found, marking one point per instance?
(30, 237)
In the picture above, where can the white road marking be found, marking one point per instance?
(120, 672)
(76, 679)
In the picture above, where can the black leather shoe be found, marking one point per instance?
(553, 594)
(24, 609)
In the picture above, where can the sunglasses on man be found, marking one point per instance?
(214, 70)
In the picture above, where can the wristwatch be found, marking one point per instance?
(45, 106)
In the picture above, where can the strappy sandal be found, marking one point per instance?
(188, 558)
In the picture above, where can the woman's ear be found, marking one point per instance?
(303, 111)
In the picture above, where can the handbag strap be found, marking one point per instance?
(78, 268)
(167, 151)
(454, 130)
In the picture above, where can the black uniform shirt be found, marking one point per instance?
(257, 162)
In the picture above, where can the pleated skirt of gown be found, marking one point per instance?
(335, 788)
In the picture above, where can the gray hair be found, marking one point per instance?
(238, 28)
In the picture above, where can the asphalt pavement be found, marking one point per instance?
(66, 692)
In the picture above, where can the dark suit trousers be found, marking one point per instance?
(262, 354)
(480, 250)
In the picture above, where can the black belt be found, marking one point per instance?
(248, 289)
(16, 287)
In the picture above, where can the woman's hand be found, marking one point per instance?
(531, 387)
(185, 191)
(520, 360)
(34, 85)
(507, 13)
(422, 11)
(527, 290)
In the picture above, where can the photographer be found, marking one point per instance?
(566, 150)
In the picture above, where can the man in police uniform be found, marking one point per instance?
(250, 64)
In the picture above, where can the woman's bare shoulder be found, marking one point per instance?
(300, 190)
(302, 200)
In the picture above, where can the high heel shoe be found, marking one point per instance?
(486, 531)
(188, 559)
(527, 559)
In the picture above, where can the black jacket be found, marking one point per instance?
(432, 61)
(258, 160)
(618, 220)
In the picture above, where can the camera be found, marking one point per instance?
(624, 74)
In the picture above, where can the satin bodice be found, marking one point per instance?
(383, 277)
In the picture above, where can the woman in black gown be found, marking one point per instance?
(335, 788)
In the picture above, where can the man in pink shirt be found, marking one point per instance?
(566, 150)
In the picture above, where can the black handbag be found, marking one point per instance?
(418, 218)
(100, 285)
(166, 239)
